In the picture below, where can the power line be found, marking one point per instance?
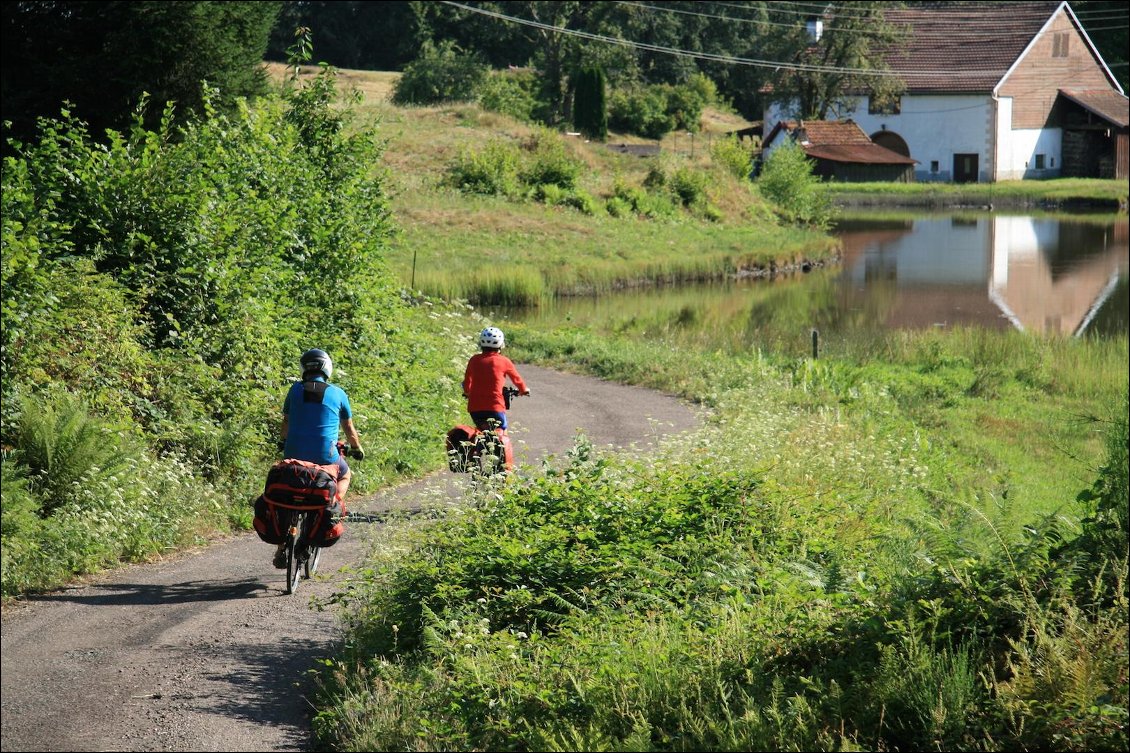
(731, 59)
(947, 34)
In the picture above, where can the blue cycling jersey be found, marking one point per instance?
(315, 410)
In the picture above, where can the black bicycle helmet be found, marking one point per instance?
(318, 361)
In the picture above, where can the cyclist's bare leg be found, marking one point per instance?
(343, 485)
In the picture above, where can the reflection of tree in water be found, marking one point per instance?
(1079, 242)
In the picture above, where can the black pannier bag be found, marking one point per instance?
(300, 485)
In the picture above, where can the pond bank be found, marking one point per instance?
(1063, 194)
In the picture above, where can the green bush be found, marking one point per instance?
(63, 447)
(510, 93)
(787, 180)
(169, 280)
(617, 206)
(642, 112)
(549, 162)
(441, 73)
(733, 156)
(491, 170)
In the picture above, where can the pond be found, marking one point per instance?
(1059, 275)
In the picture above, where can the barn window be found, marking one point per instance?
(933, 166)
(1039, 162)
(1060, 43)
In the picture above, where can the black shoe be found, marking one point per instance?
(280, 559)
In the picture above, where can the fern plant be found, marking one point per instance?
(62, 447)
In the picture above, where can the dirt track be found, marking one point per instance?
(204, 651)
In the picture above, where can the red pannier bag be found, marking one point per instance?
(300, 485)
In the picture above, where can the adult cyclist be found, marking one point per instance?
(313, 410)
(485, 377)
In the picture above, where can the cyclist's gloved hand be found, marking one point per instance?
(526, 393)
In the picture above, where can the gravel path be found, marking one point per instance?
(205, 651)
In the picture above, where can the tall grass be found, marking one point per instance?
(817, 569)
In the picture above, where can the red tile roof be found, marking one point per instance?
(1106, 103)
(963, 47)
(838, 141)
(867, 154)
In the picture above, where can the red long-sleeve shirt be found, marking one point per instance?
(484, 379)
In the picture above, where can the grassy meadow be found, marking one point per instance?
(915, 542)
(498, 249)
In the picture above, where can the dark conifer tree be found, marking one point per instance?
(590, 113)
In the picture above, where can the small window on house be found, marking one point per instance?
(1052, 163)
(1039, 162)
(933, 166)
(884, 104)
(1060, 43)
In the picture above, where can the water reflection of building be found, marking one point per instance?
(1043, 290)
(1042, 275)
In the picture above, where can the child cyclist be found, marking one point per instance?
(486, 376)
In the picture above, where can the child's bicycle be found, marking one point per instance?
(481, 451)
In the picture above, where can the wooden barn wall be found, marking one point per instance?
(1039, 76)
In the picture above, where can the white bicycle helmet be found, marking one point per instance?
(491, 337)
(317, 360)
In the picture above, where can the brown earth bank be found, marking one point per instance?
(205, 650)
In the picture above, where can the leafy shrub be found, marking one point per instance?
(441, 73)
(582, 201)
(550, 162)
(618, 207)
(492, 170)
(512, 93)
(685, 104)
(656, 110)
(554, 195)
(689, 185)
(647, 203)
(640, 111)
(733, 156)
(788, 182)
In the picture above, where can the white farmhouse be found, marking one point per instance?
(999, 91)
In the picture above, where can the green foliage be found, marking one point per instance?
(549, 162)
(590, 112)
(105, 56)
(441, 73)
(63, 448)
(654, 111)
(491, 170)
(650, 204)
(642, 112)
(816, 569)
(511, 93)
(542, 167)
(786, 179)
(733, 155)
(169, 279)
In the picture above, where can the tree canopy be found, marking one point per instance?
(102, 56)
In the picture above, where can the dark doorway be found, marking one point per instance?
(891, 140)
(965, 168)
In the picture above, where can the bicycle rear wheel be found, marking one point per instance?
(313, 557)
(293, 566)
